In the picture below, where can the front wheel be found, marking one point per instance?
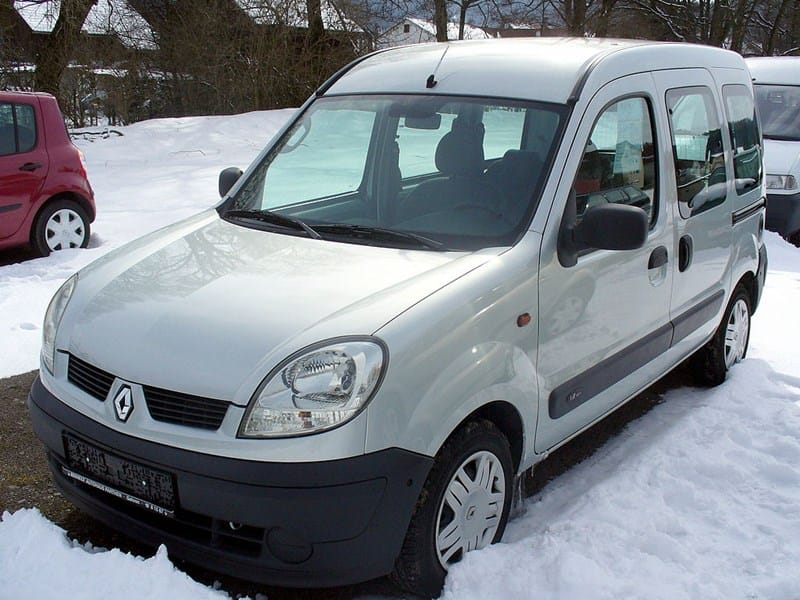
(729, 345)
(463, 506)
(62, 224)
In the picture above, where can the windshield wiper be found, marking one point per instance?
(267, 216)
(366, 232)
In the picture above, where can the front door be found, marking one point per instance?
(607, 316)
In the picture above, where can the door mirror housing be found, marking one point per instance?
(604, 227)
(227, 178)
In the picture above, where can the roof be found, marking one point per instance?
(546, 69)
(107, 17)
(470, 31)
(293, 13)
(775, 69)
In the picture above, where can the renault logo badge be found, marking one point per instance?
(123, 402)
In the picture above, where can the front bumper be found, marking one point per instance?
(783, 213)
(313, 524)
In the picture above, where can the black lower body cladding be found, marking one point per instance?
(299, 525)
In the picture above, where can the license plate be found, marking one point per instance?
(146, 487)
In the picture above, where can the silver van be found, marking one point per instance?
(451, 261)
(776, 82)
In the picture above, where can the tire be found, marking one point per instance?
(710, 364)
(477, 456)
(60, 225)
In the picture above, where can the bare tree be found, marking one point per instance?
(440, 19)
(56, 49)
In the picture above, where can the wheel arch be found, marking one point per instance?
(506, 418)
(79, 199)
(749, 283)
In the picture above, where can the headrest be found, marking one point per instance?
(460, 151)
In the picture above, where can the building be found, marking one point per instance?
(418, 31)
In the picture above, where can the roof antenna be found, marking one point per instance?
(431, 81)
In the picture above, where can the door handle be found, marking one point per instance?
(685, 251)
(30, 166)
(658, 258)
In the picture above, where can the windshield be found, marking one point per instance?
(430, 172)
(779, 111)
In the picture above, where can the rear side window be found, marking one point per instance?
(26, 127)
(740, 111)
(618, 164)
(17, 128)
(697, 149)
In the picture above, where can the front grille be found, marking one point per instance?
(183, 409)
(164, 405)
(90, 379)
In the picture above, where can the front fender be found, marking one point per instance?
(457, 351)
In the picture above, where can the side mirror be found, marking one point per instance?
(605, 227)
(227, 178)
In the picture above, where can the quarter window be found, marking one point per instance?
(697, 149)
(745, 137)
(618, 164)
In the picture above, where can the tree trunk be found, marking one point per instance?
(576, 17)
(57, 48)
(316, 28)
(604, 18)
(462, 17)
(769, 50)
(440, 20)
(720, 23)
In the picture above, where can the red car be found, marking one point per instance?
(45, 196)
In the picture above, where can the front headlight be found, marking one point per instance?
(315, 390)
(52, 318)
(781, 182)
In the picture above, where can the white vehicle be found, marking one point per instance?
(776, 81)
(454, 259)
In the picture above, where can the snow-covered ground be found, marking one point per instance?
(700, 498)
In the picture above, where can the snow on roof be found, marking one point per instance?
(119, 17)
(470, 31)
(40, 16)
(114, 17)
(293, 13)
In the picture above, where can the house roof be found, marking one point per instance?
(470, 31)
(293, 13)
(107, 17)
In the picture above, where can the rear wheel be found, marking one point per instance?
(62, 224)
(463, 506)
(712, 362)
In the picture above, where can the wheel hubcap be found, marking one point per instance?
(471, 508)
(64, 229)
(736, 333)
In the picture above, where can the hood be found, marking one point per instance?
(211, 311)
(781, 157)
